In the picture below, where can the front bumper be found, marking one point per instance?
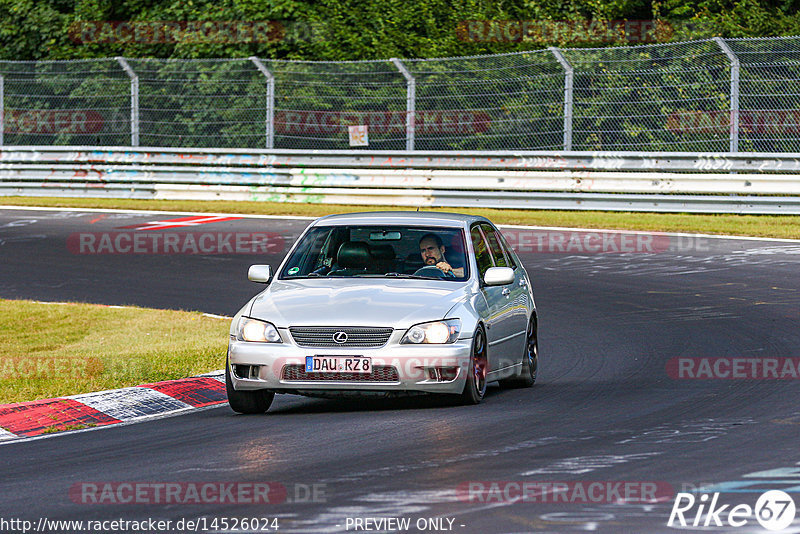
(414, 367)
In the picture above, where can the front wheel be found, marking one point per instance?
(254, 401)
(530, 361)
(475, 388)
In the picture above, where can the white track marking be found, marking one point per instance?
(216, 375)
(131, 403)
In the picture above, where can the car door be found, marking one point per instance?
(513, 302)
(491, 295)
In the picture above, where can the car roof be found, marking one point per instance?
(401, 217)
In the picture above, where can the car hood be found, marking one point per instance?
(357, 302)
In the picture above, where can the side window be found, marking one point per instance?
(510, 254)
(482, 255)
(328, 250)
(499, 254)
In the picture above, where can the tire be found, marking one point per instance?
(530, 361)
(475, 387)
(254, 401)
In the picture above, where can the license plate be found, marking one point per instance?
(338, 364)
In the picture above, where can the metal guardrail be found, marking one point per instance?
(668, 182)
(760, 162)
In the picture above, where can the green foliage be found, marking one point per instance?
(355, 29)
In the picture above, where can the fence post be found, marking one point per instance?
(270, 120)
(568, 92)
(134, 100)
(734, 92)
(411, 102)
(2, 110)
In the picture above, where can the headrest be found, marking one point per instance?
(353, 255)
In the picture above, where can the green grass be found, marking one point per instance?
(51, 350)
(780, 226)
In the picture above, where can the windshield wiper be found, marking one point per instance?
(389, 275)
(402, 275)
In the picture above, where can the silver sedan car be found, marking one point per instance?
(386, 303)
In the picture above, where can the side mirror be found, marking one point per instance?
(498, 276)
(259, 273)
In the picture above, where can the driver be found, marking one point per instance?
(432, 251)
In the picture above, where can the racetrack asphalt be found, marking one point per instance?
(608, 406)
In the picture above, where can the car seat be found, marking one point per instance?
(352, 258)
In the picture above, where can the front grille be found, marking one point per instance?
(322, 336)
(380, 373)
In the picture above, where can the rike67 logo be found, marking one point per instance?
(774, 510)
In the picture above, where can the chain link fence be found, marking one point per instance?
(714, 95)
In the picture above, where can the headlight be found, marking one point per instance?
(435, 332)
(259, 331)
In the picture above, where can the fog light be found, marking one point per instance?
(442, 374)
(246, 371)
(241, 371)
(449, 373)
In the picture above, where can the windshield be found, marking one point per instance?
(379, 251)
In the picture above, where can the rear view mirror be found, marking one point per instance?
(259, 273)
(498, 276)
(384, 236)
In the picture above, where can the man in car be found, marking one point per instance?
(432, 251)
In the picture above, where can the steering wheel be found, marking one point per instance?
(433, 272)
